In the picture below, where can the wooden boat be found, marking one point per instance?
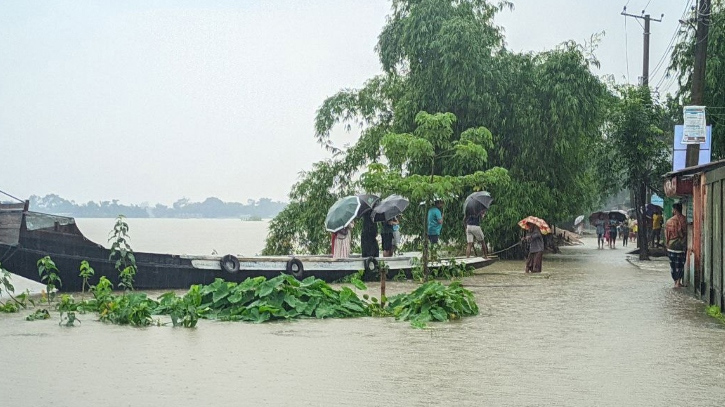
(26, 237)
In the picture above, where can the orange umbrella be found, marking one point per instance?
(543, 227)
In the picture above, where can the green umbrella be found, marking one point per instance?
(341, 213)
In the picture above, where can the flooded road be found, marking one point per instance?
(590, 330)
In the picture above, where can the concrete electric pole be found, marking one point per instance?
(645, 54)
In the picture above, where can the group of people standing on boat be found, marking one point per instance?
(390, 235)
(471, 227)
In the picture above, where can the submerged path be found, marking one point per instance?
(592, 329)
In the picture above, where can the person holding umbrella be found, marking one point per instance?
(535, 229)
(474, 208)
(342, 241)
(472, 225)
(386, 212)
(339, 222)
(600, 224)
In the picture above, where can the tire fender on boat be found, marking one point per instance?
(295, 268)
(230, 263)
(371, 264)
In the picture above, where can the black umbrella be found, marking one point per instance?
(389, 208)
(367, 203)
(619, 216)
(594, 217)
(477, 202)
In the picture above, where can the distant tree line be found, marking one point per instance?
(183, 208)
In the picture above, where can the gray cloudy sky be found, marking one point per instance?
(151, 101)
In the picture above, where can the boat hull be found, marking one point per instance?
(26, 237)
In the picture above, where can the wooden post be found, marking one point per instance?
(383, 277)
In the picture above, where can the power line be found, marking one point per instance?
(645, 7)
(669, 47)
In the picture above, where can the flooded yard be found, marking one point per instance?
(592, 329)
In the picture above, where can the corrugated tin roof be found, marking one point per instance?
(696, 169)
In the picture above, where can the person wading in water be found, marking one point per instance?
(536, 249)
(676, 241)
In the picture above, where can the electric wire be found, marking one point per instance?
(669, 47)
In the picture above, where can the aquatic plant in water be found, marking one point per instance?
(86, 273)
(259, 300)
(38, 315)
(7, 287)
(433, 301)
(49, 273)
(67, 308)
(122, 252)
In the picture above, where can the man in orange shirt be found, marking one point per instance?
(676, 241)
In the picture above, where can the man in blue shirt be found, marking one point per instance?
(435, 222)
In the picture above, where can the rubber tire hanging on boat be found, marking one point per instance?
(368, 262)
(229, 263)
(295, 264)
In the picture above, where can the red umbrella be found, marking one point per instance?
(543, 227)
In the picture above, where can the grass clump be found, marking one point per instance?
(715, 312)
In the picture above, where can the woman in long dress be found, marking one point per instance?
(341, 245)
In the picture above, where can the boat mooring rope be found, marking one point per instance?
(508, 248)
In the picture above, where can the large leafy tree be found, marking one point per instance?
(543, 111)
(682, 64)
(413, 159)
(638, 147)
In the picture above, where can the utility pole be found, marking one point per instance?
(697, 96)
(640, 191)
(645, 54)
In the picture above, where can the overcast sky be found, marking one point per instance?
(151, 101)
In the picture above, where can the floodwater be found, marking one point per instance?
(183, 236)
(591, 330)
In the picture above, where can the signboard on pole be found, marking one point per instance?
(679, 154)
(694, 131)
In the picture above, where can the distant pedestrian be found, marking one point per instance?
(676, 242)
(612, 234)
(625, 232)
(656, 229)
(536, 249)
(601, 226)
(474, 233)
(435, 222)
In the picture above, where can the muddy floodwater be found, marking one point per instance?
(591, 330)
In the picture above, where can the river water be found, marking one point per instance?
(591, 330)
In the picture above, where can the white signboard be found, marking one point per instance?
(694, 130)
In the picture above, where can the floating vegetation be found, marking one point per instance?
(38, 314)
(433, 301)
(260, 300)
